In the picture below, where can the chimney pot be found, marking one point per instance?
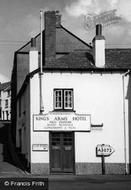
(58, 19)
(33, 42)
(98, 30)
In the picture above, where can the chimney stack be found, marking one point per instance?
(33, 42)
(98, 30)
(58, 20)
(99, 47)
(33, 56)
(52, 21)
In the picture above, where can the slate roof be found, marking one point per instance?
(68, 58)
(66, 41)
(5, 86)
(76, 59)
(118, 58)
(81, 59)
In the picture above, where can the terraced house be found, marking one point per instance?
(5, 101)
(74, 115)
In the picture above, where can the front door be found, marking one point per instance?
(62, 152)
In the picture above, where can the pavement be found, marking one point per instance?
(65, 182)
(90, 182)
(7, 170)
(90, 178)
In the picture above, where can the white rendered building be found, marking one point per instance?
(85, 101)
(5, 101)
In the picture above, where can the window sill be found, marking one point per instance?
(63, 110)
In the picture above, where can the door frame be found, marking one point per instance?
(73, 152)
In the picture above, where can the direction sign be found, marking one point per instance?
(104, 150)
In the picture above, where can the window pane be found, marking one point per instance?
(58, 99)
(6, 103)
(68, 99)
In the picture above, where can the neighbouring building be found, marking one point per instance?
(5, 101)
(86, 96)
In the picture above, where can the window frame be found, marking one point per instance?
(8, 93)
(63, 107)
(55, 100)
(19, 106)
(6, 103)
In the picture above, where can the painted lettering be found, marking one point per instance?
(77, 118)
(58, 118)
(42, 118)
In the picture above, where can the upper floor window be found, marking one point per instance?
(19, 104)
(6, 103)
(8, 92)
(63, 99)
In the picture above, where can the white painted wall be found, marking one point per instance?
(4, 108)
(101, 96)
(33, 59)
(23, 123)
(37, 137)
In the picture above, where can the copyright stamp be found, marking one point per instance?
(24, 183)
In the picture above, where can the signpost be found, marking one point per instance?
(104, 150)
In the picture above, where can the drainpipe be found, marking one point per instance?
(124, 121)
(41, 63)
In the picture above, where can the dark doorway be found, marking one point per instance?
(62, 152)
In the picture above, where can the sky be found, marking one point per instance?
(20, 20)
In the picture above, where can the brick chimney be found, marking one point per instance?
(52, 21)
(33, 56)
(99, 47)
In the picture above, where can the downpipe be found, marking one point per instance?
(41, 63)
(124, 122)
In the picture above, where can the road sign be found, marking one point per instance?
(104, 150)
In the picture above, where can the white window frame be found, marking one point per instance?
(68, 107)
(55, 99)
(6, 103)
(8, 93)
(63, 99)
